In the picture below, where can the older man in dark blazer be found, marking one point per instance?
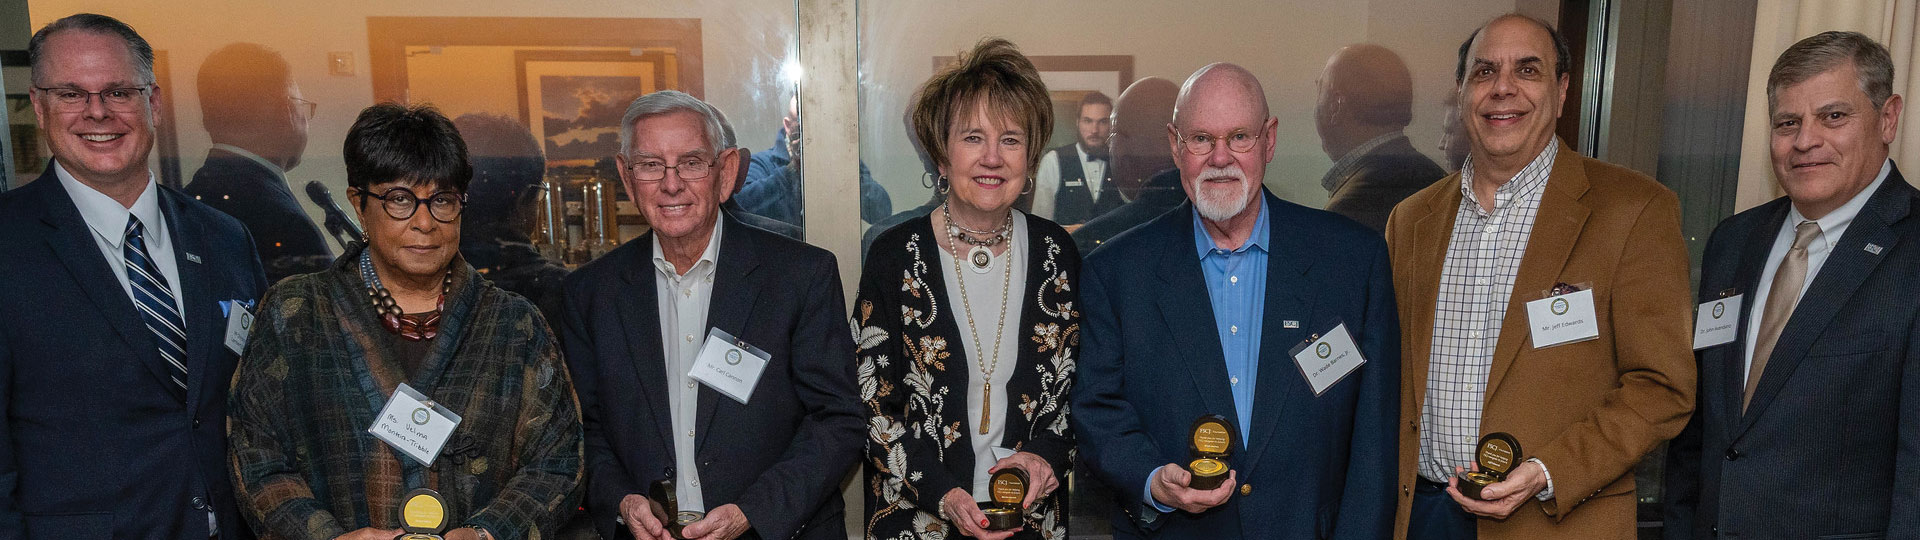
(122, 298)
(1190, 313)
(767, 464)
(1809, 411)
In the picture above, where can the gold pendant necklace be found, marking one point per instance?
(1006, 282)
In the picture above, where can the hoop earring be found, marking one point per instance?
(926, 180)
(1029, 190)
(946, 186)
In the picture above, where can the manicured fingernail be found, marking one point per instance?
(983, 522)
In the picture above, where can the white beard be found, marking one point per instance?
(1216, 206)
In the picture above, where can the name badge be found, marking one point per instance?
(1562, 318)
(239, 322)
(1075, 183)
(729, 365)
(1717, 322)
(1328, 357)
(414, 425)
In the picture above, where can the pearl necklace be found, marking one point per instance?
(981, 259)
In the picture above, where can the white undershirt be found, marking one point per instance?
(983, 293)
(1832, 226)
(684, 300)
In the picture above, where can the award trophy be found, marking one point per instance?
(1212, 443)
(423, 515)
(1006, 491)
(666, 508)
(1497, 455)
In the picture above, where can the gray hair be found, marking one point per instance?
(137, 47)
(1823, 52)
(670, 101)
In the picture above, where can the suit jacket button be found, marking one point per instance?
(199, 503)
(1246, 489)
(1732, 454)
(196, 423)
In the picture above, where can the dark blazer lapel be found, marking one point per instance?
(1556, 229)
(735, 289)
(1188, 313)
(207, 330)
(73, 242)
(1432, 232)
(1746, 281)
(639, 311)
(1846, 268)
(1279, 384)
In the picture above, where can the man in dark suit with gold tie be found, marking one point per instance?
(1809, 410)
(123, 300)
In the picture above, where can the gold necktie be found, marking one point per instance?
(1781, 298)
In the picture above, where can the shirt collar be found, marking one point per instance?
(1203, 243)
(1529, 179)
(106, 217)
(707, 257)
(1835, 223)
(242, 152)
(1346, 161)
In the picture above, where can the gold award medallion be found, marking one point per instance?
(1212, 443)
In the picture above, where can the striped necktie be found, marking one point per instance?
(155, 300)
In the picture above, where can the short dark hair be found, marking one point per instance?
(1825, 51)
(412, 144)
(1561, 57)
(507, 164)
(240, 84)
(1095, 98)
(137, 46)
(995, 71)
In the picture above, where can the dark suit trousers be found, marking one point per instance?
(1436, 517)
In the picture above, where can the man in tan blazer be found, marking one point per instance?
(1543, 294)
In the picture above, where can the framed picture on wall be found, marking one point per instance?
(1070, 78)
(573, 100)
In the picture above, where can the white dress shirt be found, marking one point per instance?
(1046, 179)
(983, 295)
(108, 221)
(1832, 226)
(684, 299)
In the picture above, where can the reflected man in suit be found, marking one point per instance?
(1365, 104)
(113, 371)
(1527, 215)
(773, 185)
(1194, 313)
(636, 320)
(1143, 176)
(257, 119)
(1808, 406)
(1071, 184)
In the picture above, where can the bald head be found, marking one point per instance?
(1220, 84)
(1139, 118)
(1373, 82)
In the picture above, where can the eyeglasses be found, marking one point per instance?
(115, 99)
(402, 203)
(304, 107)
(654, 170)
(1201, 143)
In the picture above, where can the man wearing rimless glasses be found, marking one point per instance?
(125, 298)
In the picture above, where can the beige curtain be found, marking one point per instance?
(1780, 23)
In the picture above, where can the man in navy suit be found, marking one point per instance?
(1809, 403)
(116, 349)
(1200, 311)
(637, 322)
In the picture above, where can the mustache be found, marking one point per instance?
(1230, 171)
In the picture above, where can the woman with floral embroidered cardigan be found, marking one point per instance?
(966, 321)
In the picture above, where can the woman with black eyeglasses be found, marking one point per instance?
(400, 368)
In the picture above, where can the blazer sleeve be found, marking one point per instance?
(271, 489)
(1906, 463)
(909, 469)
(1367, 507)
(1652, 351)
(1056, 447)
(1112, 440)
(785, 496)
(608, 481)
(12, 525)
(541, 495)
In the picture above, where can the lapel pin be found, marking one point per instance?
(1873, 248)
(196, 258)
(1289, 324)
